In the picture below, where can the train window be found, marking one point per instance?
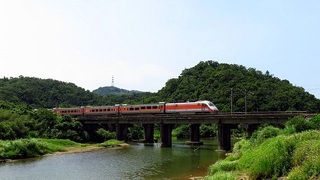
(143, 107)
(131, 109)
(148, 107)
(108, 109)
(137, 108)
(154, 107)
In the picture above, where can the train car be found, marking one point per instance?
(142, 109)
(162, 107)
(69, 111)
(100, 110)
(191, 107)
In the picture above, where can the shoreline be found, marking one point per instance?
(71, 150)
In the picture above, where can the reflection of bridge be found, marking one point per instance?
(225, 123)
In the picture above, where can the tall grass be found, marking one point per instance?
(110, 143)
(25, 148)
(295, 156)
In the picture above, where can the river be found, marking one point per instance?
(137, 161)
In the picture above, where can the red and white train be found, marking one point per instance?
(182, 108)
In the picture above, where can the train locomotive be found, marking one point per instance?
(157, 108)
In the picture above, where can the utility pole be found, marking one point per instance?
(231, 100)
(112, 82)
(245, 101)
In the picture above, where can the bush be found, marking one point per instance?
(264, 133)
(208, 130)
(269, 158)
(306, 159)
(223, 176)
(299, 124)
(23, 148)
(315, 122)
(222, 166)
(111, 142)
(106, 135)
(182, 132)
(135, 132)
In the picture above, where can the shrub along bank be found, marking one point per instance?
(292, 152)
(26, 148)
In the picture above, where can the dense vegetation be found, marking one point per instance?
(213, 81)
(48, 93)
(109, 90)
(26, 148)
(208, 80)
(24, 101)
(271, 152)
(22, 122)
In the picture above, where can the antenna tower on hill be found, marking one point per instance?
(112, 82)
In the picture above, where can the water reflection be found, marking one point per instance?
(134, 162)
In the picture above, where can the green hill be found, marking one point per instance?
(216, 82)
(247, 87)
(46, 93)
(107, 90)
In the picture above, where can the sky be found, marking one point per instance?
(144, 43)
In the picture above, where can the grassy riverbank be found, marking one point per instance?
(271, 153)
(26, 148)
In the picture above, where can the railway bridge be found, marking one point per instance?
(225, 122)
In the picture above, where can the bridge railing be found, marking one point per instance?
(267, 112)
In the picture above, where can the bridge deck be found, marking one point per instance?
(190, 118)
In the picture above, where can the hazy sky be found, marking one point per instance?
(144, 43)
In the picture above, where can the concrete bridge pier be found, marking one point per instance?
(194, 135)
(251, 128)
(122, 132)
(112, 127)
(166, 135)
(224, 137)
(148, 133)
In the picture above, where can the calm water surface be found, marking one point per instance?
(137, 161)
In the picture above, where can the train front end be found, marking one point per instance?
(211, 107)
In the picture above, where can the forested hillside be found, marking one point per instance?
(107, 90)
(216, 82)
(44, 93)
(208, 80)
(49, 93)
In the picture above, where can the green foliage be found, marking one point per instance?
(273, 153)
(50, 125)
(306, 159)
(299, 124)
(135, 132)
(264, 133)
(181, 132)
(40, 93)
(272, 157)
(13, 125)
(213, 81)
(68, 128)
(23, 148)
(207, 80)
(314, 122)
(114, 90)
(210, 130)
(26, 148)
(111, 142)
(106, 135)
(223, 175)
(223, 166)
